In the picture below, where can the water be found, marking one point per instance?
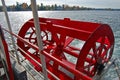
(107, 17)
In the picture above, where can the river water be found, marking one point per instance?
(111, 18)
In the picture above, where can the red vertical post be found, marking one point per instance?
(7, 56)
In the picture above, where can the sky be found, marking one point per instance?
(86, 3)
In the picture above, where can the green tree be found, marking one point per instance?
(18, 6)
(24, 6)
(42, 7)
(1, 8)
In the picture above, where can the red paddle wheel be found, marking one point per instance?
(83, 47)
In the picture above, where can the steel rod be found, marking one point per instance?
(39, 64)
(10, 29)
(39, 40)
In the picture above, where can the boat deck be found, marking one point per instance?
(113, 68)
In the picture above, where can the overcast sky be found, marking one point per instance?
(85, 3)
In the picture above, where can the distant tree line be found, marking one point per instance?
(26, 7)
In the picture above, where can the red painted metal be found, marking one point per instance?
(93, 49)
(7, 56)
(37, 66)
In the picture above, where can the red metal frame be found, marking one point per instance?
(7, 56)
(99, 47)
(58, 36)
(63, 77)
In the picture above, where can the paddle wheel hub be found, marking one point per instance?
(83, 46)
